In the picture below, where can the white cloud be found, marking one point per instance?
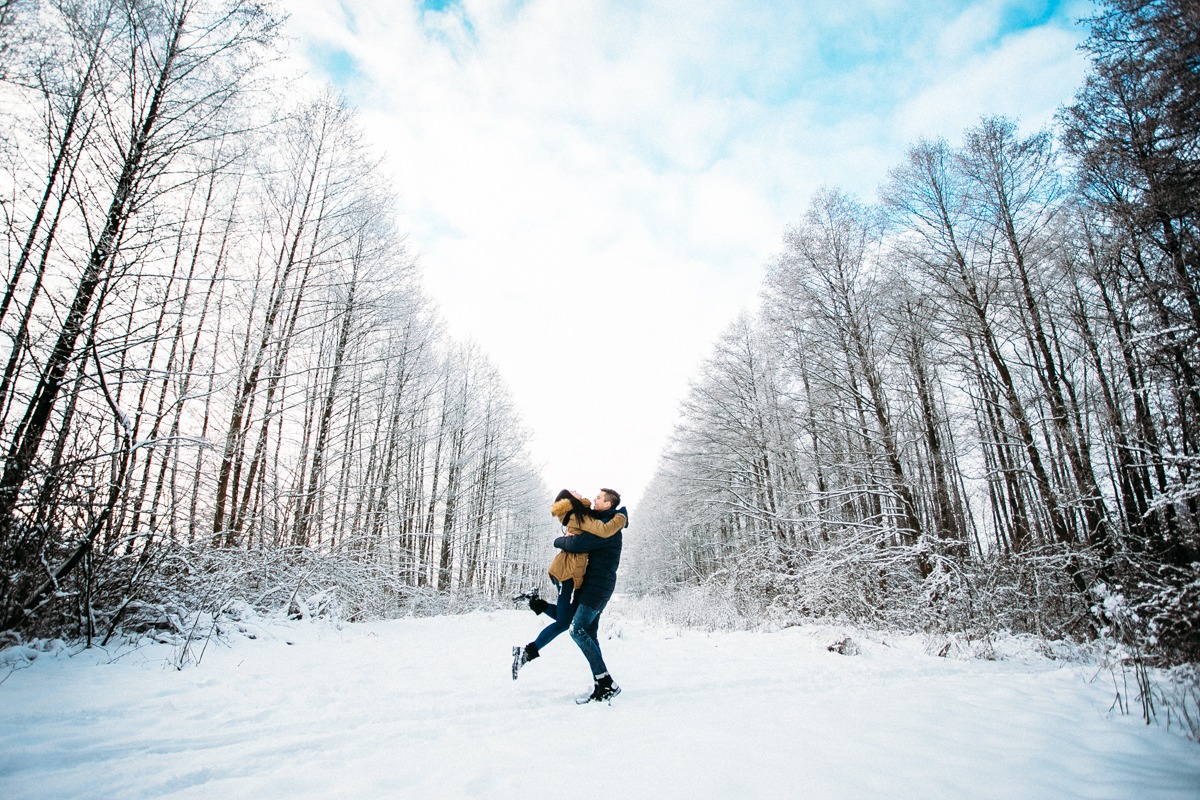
(1028, 76)
(592, 179)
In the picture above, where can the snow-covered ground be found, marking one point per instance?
(426, 708)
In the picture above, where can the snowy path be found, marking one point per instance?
(426, 708)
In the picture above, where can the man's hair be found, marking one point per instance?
(613, 497)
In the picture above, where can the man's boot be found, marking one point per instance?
(604, 691)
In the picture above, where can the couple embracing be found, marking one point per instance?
(585, 574)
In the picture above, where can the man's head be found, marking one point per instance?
(606, 499)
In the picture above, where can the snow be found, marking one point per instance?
(427, 708)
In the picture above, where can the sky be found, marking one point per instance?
(592, 189)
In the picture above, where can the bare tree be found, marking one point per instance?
(156, 80)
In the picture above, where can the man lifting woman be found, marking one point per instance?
(585, 573)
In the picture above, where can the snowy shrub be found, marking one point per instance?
(857, 582)
(1168, 605)
(1176, 695)
(962, 646)
(711, 606)
(142, 617)
(428, 602)
(176, 593)
(15, 653)
(322, 604)
(1032, 593)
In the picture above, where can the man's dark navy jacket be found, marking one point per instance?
(604, 556)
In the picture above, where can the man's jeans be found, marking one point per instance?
(584, 628)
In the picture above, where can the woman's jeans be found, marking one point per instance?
(561, 614)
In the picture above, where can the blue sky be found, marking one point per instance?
(647, 156)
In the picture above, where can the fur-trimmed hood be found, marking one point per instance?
(562, 507)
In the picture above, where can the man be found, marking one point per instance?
(600, 538)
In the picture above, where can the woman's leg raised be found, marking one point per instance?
(562, 613)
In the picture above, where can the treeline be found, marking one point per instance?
(974, 405)
(221, 380)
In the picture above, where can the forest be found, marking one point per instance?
(222, 380)
(970, 405)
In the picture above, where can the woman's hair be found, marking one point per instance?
(579, 508)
